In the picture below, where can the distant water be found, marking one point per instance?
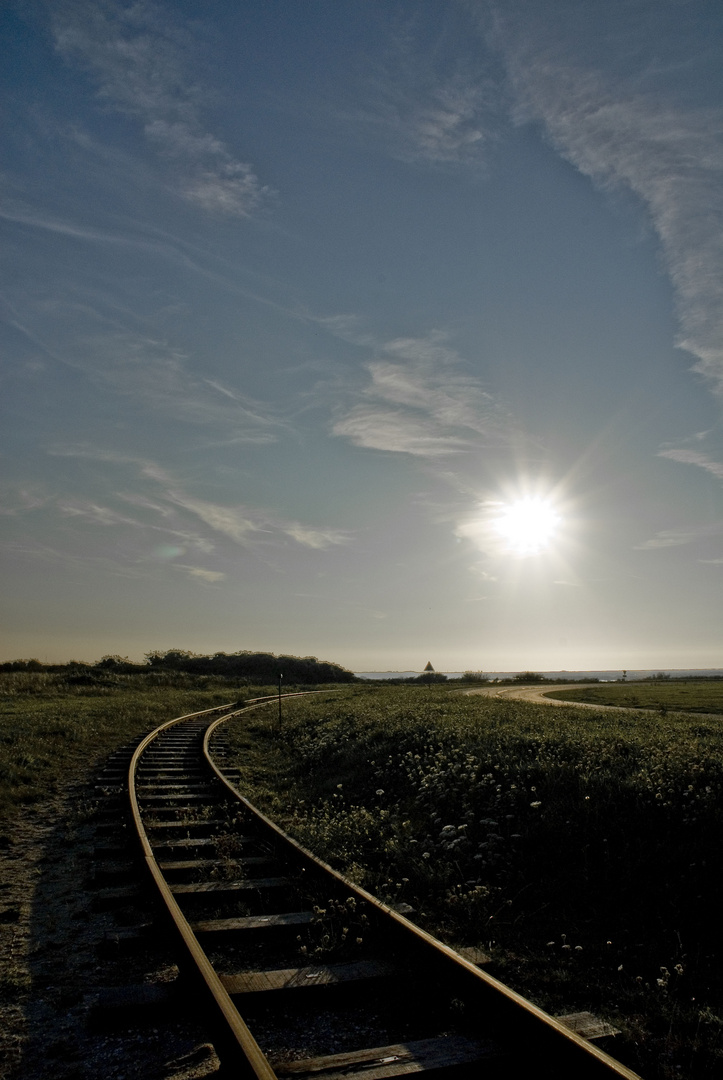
(603, 676)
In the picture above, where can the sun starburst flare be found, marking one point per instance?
(527, 525)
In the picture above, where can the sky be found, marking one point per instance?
(384, 332)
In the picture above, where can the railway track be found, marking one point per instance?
(303, 975)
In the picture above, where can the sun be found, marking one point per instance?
(527, 525)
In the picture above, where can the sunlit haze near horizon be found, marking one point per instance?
(382, 332)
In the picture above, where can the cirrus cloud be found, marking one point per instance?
(136, 54)
(613, 123)
(418, 399)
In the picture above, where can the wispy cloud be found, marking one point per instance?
(136, 54)
(425, 100)
(376, 428)
(345, 326)
(319, 539)
(140, 235)
(418, 400)
(121, 343)
(209, 576)
(667, 538)
(80, 562)
(247, 527)
(94, 513)
(158, 376)
(233, 522)
(16, 501)
(445, 123)
(694, 457)
(617, 127)
(88, 335)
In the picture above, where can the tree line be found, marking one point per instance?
(254, 667)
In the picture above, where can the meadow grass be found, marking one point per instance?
(53, 729)
(60, 726)
(661, 694)
(580, 849)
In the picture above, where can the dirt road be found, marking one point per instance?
(539, 695)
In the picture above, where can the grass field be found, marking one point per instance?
(661, 694)
(52, 729)
(580, 850)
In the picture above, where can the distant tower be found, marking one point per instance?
(429, 666)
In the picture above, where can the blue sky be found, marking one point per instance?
(298, 300)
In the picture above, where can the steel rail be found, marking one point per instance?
(588, 1059)
(560, 1051)
(240, 1045)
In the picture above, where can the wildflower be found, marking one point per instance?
(535, 804)
(425, 855)
(380, 791)
(578, 948)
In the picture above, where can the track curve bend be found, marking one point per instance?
(304, 974)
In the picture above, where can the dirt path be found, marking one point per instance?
(51, 971)
(539, 696)
(536, 695)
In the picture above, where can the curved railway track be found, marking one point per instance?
(304, 975)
